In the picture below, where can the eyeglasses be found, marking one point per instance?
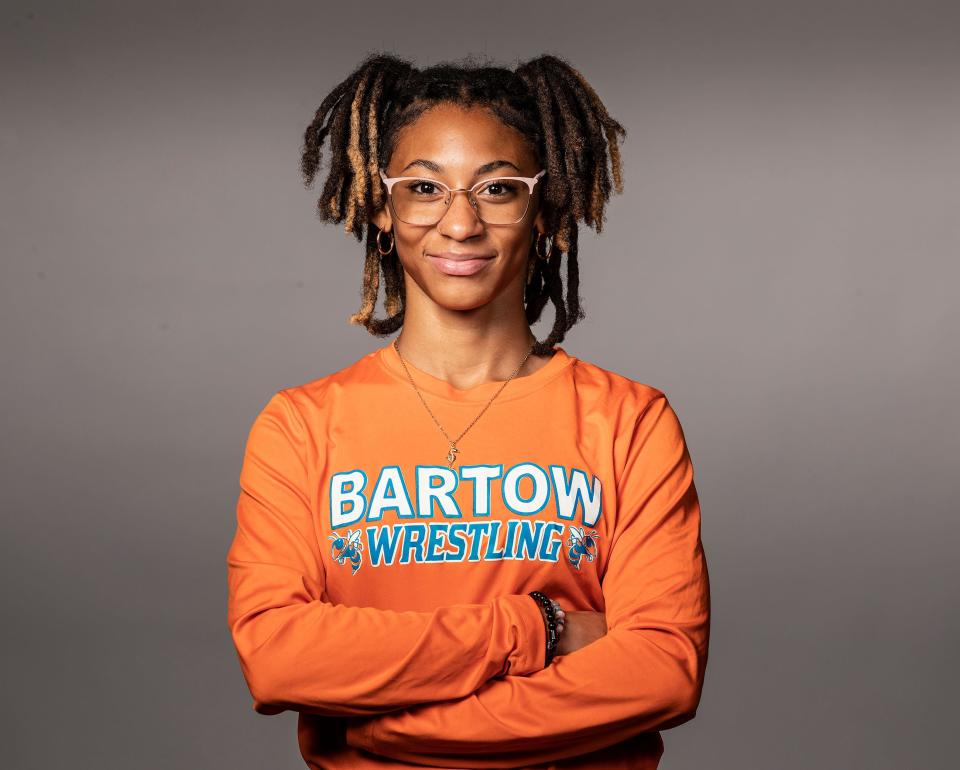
(500, 201)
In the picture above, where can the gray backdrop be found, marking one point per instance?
(783, 264)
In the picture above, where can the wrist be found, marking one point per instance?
(554, 619)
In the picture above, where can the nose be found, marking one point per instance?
(460, 220)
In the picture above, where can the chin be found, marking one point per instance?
(462, 300)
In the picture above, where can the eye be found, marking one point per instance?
(499, 188)
(423, 187)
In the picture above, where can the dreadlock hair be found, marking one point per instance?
(549, 102)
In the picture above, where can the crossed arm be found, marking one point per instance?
(464, 685)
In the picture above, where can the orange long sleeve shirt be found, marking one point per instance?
(383, 593)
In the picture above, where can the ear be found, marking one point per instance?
(382, 219)
(540, 222)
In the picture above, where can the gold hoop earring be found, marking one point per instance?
(390, 248)
(536, 247)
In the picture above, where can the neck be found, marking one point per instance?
(467, 348)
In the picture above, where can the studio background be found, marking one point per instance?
(783, 263)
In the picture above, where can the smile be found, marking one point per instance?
(460, 265)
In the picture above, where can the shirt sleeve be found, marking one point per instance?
(299, 652)
(645, 674)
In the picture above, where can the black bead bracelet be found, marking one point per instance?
(553, 635)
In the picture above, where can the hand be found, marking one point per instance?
(581, 628)
(578, 628)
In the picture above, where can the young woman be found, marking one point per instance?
(469, 548)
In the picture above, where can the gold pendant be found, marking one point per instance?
(452, 454)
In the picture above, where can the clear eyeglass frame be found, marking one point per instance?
(530, 181)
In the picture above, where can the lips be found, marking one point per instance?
(460, 263)
(461, 255)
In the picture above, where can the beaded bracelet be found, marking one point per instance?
(553, 634)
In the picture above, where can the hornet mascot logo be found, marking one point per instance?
(347, 548)
(581, 545)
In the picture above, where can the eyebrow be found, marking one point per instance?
(438, 169)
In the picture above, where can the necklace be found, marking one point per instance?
(452, 452)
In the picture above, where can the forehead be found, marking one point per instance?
(459, 139)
